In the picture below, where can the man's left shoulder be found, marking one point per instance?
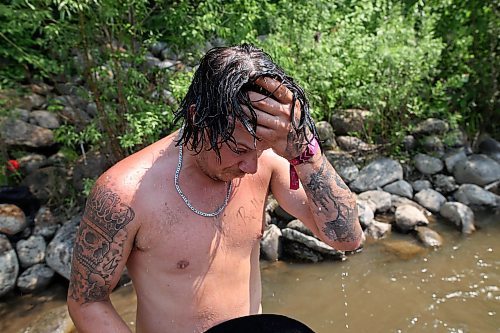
(273, 161)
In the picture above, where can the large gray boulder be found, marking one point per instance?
(453, 157)
(60, 249)
(490, 147)
(460, 214)
(476, 196)
(430, 199)
(44, 119)
(16, 132)
(9, 267)
(377, 174)
(477, 169)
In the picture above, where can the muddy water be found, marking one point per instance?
(382, 289)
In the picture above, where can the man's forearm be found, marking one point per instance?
(332, 204)
(96, 317)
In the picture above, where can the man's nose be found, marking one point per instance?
(249, 164)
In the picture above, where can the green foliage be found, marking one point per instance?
(404, 61)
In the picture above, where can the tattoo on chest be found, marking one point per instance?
(99, 245)
(333, 199)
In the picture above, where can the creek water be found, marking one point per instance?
(393, 285)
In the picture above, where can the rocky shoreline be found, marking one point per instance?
(447, 177)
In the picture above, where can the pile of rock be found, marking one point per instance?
(446, 181)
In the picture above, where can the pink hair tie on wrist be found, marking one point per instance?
(306, 155)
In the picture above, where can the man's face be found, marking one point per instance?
(233, 164)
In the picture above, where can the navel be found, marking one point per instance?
(182, 264)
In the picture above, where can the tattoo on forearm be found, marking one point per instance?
(330, 200)
(319, 188)
(98, 245)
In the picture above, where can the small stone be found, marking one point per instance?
(12, 219)
(378, 230)
(343, 164)
(9, 266)
(444, 184)
(381, 199)
(429, 237)
(44, 119)
(430, 199)
(401, 188)
(420, 185)
(432, 126)
(31, 251)
(408, 217)
(35, 278)
(299, 226)
(326, 135)
(271, 243)
(365, 212)
(427, 165)
(460, 214)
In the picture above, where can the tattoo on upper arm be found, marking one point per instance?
(333, 200)
(99, 245)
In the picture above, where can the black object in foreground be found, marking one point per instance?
(263, 323)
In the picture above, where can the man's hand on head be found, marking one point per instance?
(274, 118)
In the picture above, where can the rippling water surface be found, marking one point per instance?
(453, 289)
(382, 289)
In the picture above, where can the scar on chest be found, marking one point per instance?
(182, 264)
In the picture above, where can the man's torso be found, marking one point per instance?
(192, 272)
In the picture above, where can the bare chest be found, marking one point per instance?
(187, 242)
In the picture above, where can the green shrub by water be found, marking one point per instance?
(404, 61)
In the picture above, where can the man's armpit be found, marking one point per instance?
(99, 245)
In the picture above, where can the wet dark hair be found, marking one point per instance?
(220, 86)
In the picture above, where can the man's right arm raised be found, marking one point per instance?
(102, 245)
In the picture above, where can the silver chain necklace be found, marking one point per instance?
(186, 201)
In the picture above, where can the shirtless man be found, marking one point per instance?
(185, 214)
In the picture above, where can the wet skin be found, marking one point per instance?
(192, 272)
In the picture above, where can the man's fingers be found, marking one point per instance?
(278, 89)
(266, 134)
(267, 104)
(269, 120)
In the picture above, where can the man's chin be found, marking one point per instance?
(232, 175)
